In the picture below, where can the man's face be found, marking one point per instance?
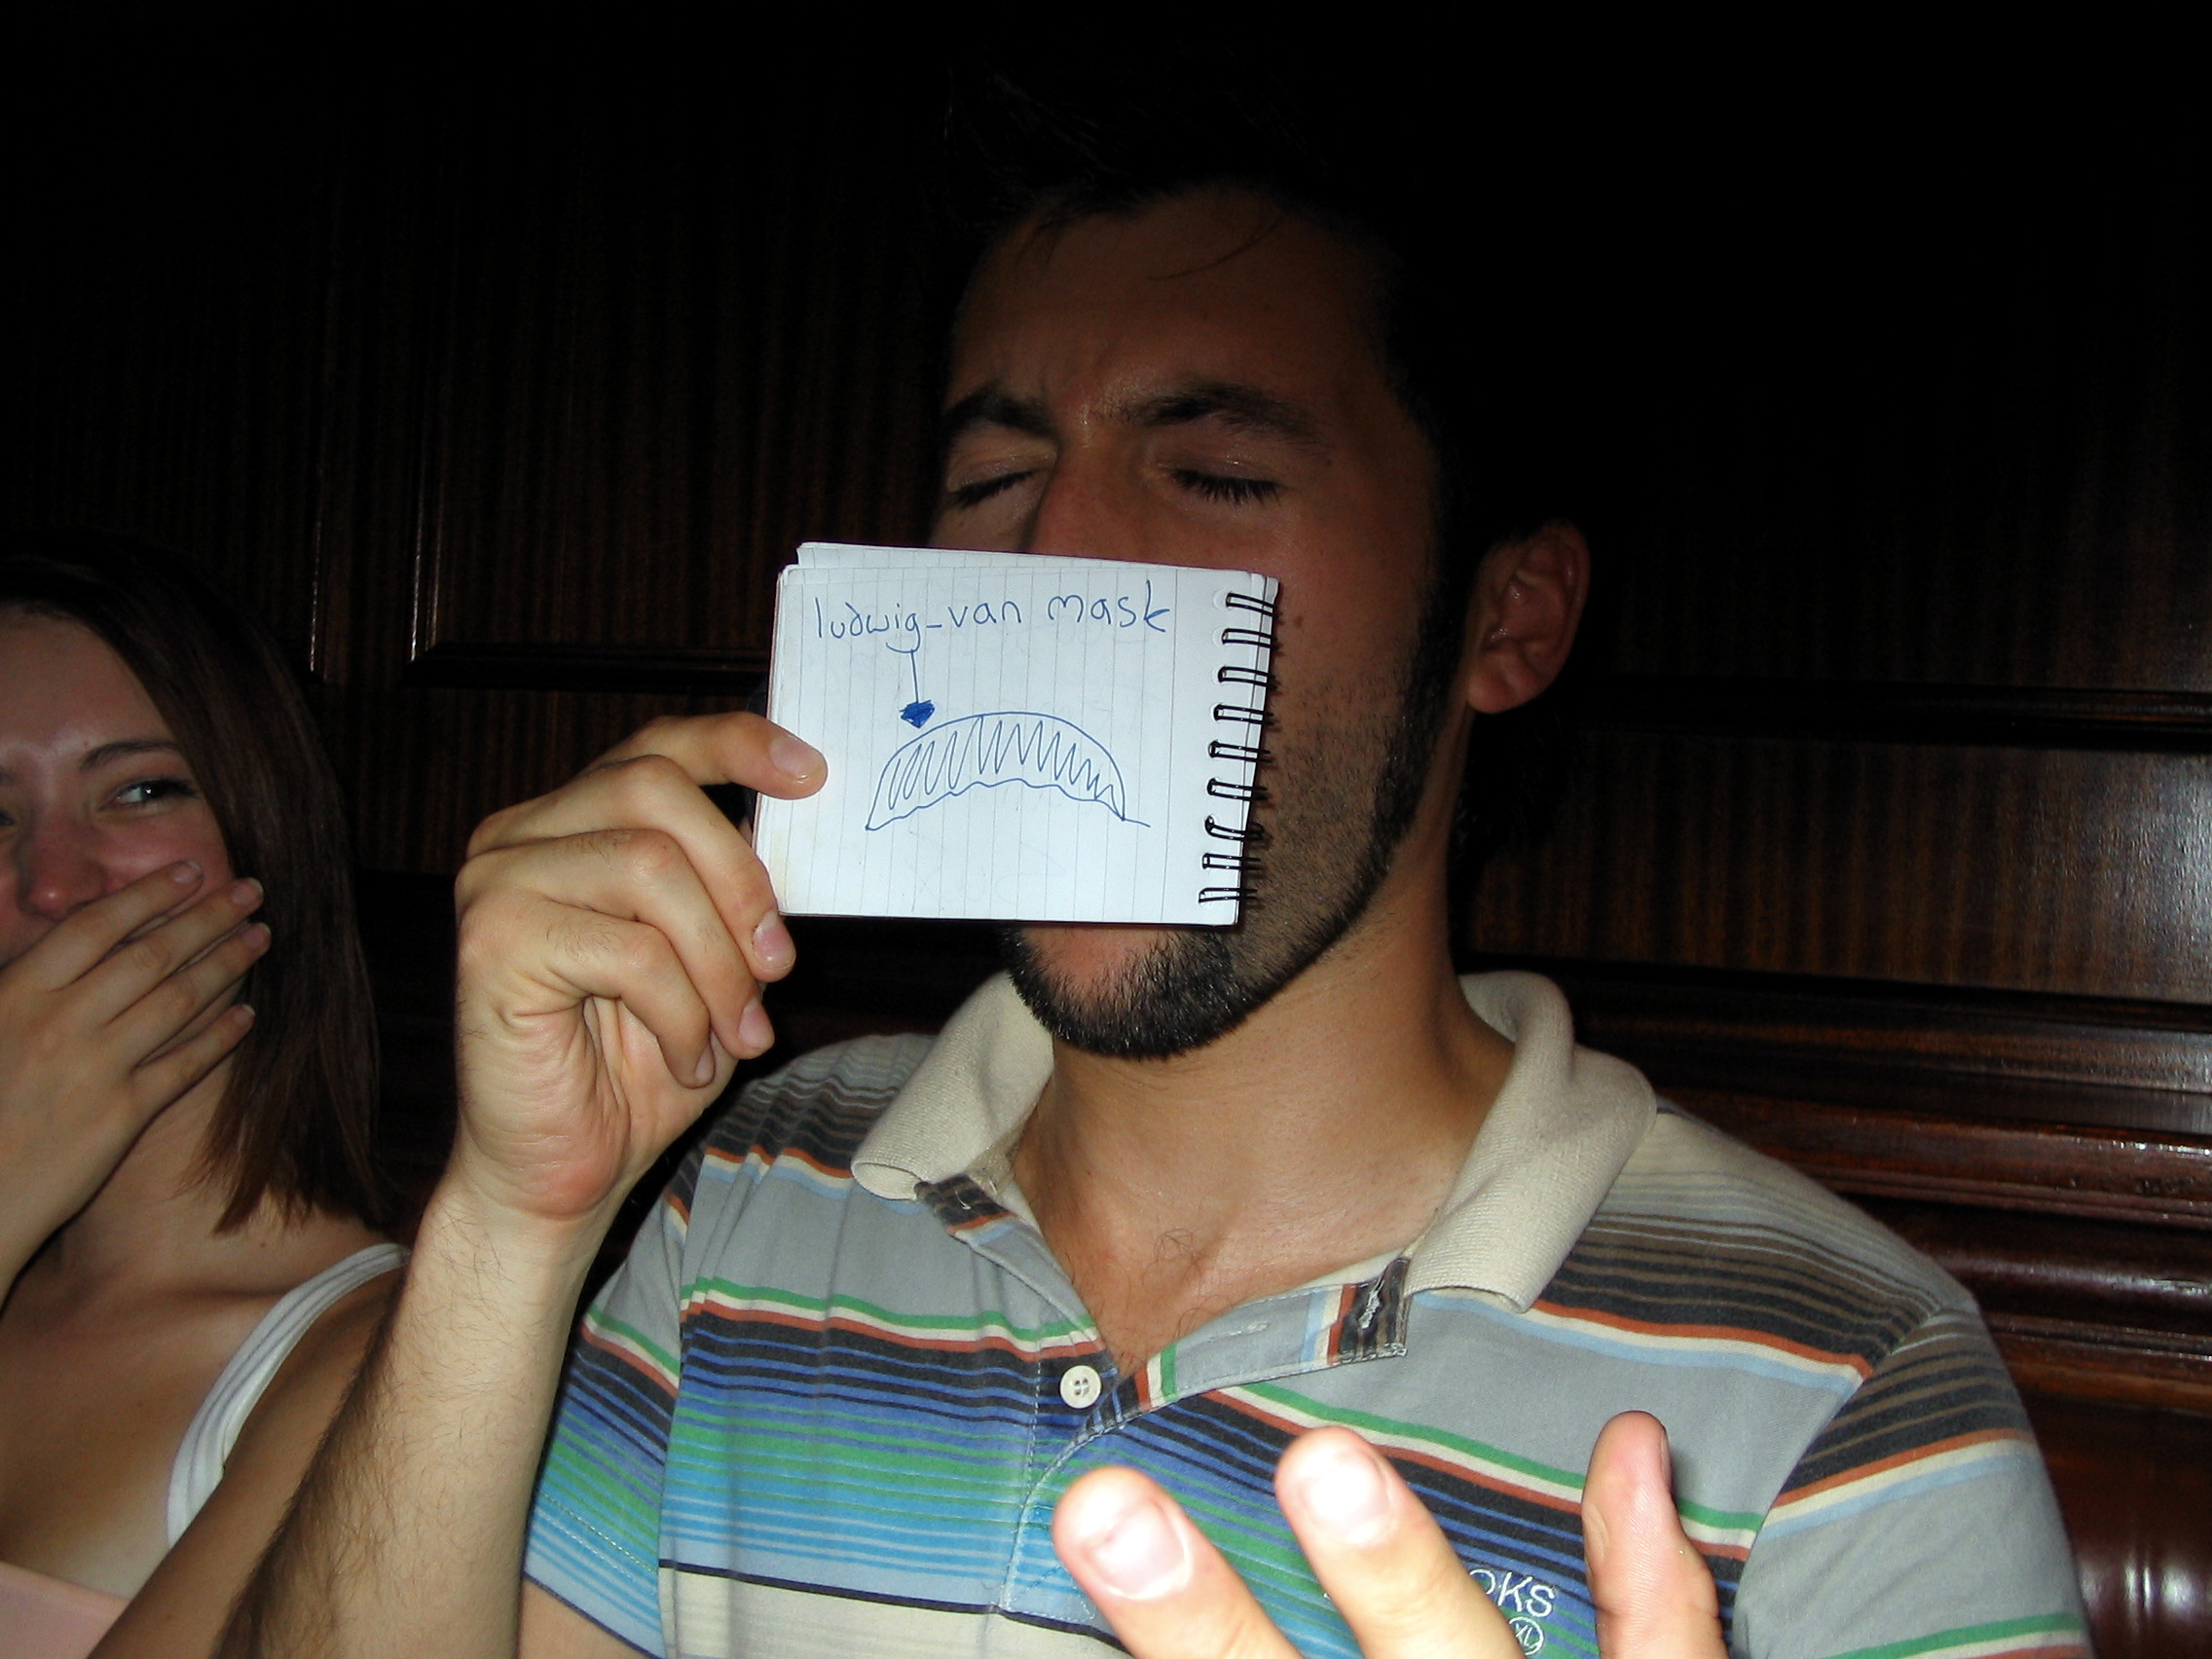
(1196, 383)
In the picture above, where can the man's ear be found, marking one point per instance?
(1528, 604)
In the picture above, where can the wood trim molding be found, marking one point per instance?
(2105, 1362)
(2093, 1173)
(1943, 1051)
(2030, 716)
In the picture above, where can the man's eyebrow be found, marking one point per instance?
(122, 746)
(1240, 407)
(995, 406)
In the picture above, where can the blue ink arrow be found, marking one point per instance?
(918, 713)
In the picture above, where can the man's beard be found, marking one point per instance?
(1344, 799)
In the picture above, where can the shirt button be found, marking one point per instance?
(1079, 1388)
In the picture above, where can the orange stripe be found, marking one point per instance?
(1710, 1332)
(1898, 1461)
(737, 1159)
(1333, 1348)
(862, 1327)
(627, 1356)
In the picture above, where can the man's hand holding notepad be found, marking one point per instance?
(1018, 737)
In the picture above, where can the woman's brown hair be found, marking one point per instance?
(297, 1123)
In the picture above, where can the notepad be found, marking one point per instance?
(1020, 738)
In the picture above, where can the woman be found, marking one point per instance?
(193, 1252)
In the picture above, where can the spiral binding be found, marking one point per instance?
(1243, 861)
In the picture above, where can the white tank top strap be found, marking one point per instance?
(207, 1444)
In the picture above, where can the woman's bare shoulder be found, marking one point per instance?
(182, 1606)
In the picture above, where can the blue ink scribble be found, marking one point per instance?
(984, 751)
(918, 713)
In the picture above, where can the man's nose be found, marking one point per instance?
(1086, 511)
(58, 870)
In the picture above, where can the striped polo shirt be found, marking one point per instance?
(829, 1401)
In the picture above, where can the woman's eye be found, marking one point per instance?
(145, 792)
(1218, 487)
(975, 495)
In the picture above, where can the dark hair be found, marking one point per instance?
(297, 1123)
(1469, 358)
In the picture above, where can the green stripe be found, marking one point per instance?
(1748, 1521)
(601, 1321)
(846, 1456)
(2042, 1624)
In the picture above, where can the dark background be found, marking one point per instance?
(502, 369)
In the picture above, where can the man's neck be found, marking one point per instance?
(1323, 1130)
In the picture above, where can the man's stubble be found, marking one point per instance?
(1345, 787)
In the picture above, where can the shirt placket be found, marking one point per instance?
(1081, 1401)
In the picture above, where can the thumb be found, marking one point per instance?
(1655, 1599)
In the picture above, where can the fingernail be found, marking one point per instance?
(246, 892)
(703, 1069)
(772, 941)
(1342, 1488)
(258, 935)
(1137, 1552)
(184, 874)
(242, 1013)
(796, 760)
(754, 1029)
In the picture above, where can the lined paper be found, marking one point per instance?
(1015, 737)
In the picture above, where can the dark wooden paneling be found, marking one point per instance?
(2106, 1310)
(407, 934)
(2068, 871)
(479, 400)
(425, 767)
(2007, 715)
(163, 352)
(1968, 450)
(2136, 1488)
(2116, 1175)
(2080, 1060)
(610, 373)
(667, 351)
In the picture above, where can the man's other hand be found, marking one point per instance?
(1655, 1599)
(615, 937)
(1384, 1562)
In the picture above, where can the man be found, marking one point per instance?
(1170, 1198)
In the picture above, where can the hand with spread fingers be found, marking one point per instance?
(1384, 1562)
(614, 938)
(111, 1015)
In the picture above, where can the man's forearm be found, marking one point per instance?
(406, 1537)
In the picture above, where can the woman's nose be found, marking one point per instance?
(58, 869)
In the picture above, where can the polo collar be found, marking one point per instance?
(1564, 1122)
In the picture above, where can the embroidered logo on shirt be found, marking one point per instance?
(1522, 1601)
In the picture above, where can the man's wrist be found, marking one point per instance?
(527, 1260)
